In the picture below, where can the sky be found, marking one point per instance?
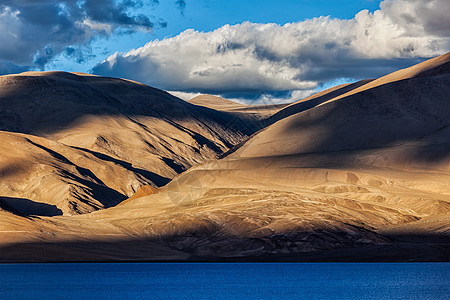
(249, 51)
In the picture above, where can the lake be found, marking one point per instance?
(226, 281)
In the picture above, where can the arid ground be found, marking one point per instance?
(105, 169)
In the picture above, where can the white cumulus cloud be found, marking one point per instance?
(264, 59)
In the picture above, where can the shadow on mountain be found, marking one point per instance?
(25, 207)
(11, 169)
(153, 177)
(52, 101)
(399, 248)
(107, 196)
(308, 104)
(412, 110)
(83, 171)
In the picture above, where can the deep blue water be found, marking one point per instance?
(226, 281)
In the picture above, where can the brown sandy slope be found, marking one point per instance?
(43, 177)
(364, 177)
(102, 138)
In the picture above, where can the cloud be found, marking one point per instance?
(32, 32)
(416, 17)
(10, 68)
(184, 95)
(269, 58)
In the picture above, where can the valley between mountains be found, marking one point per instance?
(105, 169)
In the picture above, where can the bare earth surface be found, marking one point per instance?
(100, 139)
(361, 173)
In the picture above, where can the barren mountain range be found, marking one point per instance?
(84, 142)
(106, 169)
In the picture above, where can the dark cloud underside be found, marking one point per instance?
(33, 32)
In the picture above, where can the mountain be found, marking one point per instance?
(360, 174)
(100, 139)
(44, 177)
(255, 117)
(383, 113)
(432, 67)
(257, 112)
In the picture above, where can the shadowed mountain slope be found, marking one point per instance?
(362, 177)
(314, 100)
(254, 116)
(432, 67)
(100, 126)
(412, 110)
